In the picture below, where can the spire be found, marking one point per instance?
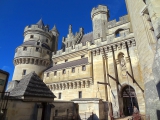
(40, 22)
(54, 28)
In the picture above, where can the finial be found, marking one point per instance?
(54, 27)
(70, 29)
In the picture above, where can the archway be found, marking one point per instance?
(129, 100)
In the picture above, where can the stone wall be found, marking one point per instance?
(145, 40)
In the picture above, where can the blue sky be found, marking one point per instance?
(16, 14)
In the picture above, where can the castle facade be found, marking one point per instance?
(118, 62)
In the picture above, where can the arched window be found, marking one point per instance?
(117, 32)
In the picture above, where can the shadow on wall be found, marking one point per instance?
(158, 89)
(158, 114)
(93, 117)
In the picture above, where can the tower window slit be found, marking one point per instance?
(24, 72)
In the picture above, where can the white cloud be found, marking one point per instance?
(5, 67)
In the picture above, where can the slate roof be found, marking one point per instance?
(86, 99)
(31, 86)
(30, 42)
(87, 37)
(69, 64)
(40, 23)
(34, 43)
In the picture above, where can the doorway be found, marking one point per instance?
(129, 100)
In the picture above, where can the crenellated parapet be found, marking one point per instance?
(36, 27)
(100, 9)
(122, 20)
(69, 50)
(106, 48)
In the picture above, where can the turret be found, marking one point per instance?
(35, 52)
(99, 17)
(55, 34)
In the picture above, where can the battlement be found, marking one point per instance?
(77, 47)
(122, 20)
(99, 9)
(37, 27)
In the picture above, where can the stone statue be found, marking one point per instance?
(123, 65)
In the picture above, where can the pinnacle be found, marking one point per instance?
(40, 22)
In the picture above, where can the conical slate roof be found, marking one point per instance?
(40, 22)
(31, 86)
(55, 29)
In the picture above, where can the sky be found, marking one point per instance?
(16, 14)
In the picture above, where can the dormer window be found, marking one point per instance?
(55, 73)
(24, 48)
(66, 60)
(73, 70)
(64, 71)
(31, 36)
(83, 68)
(47, 74)
(82, 56)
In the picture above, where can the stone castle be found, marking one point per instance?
(117, 63)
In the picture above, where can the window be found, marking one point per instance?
(46, 40)
(47, 52)
(82, 56)
(37, 49)
(83, 68)
(24, 48)
(38, 43)
(47, 74)
(31, 36)
(55, 63)
(64, 71)
(56, 112)
(80, 94)
(55, 73)
(98, 35)
(24, 72)
(66, 60)
(73, 69)
(36, 62)
(67, 111)
(117, 33)
(59, 96)
(32, 61)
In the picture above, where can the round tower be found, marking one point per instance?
(100, 17)
(35, 52)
